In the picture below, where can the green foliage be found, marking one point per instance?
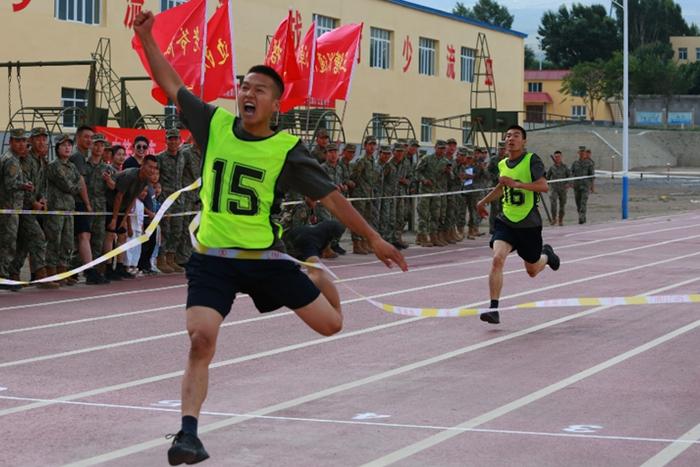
(655, 21)
(582, 34)
(653, 71)
(592, 81)
(488, 11)
(690, 74)
(532, 63)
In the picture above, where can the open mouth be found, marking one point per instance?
(248, 109)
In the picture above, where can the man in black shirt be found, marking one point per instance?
(244, 185)
(519, 226)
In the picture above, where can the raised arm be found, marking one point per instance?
(164, 74)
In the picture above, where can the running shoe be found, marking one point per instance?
(186, 448)
(552, 258)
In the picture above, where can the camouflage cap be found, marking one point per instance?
(582, 148)
(398, 147)
(451, 141)
(441, 143)
(385, 148)
(331, 147)
(108, 145)
(38, 131)
(501, 144)
(462, 151)
(99, 138)
(18, 133)
(414, 143)
(422, 152)
(350, 147)
(322, 132)
(60, 139)
(172, 133)
(370, 139)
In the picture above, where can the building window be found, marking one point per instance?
(377, 127)
(465, 132)
(170, 112)
(380, 48)
(324, 24)
(427, 56)
(168, 4)
(467, 64)
(73, 98)
(578, 111)
(426, 129)
(683, 53)
(534, 87)
(697, 53)
(81, 11)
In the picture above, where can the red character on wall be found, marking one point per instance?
(19, 6)
(133, 7)
(407, 53)
(450, 61)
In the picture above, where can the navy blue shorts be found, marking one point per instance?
(527, 242)
(81, 224)
(213, 282)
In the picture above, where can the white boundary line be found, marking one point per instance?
(678, 446)
(362, 423)
(362, 382)
(355, 300)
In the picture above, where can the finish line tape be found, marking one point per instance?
(555, 303)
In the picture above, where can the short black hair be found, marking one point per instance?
(117, 147)
(82, 128)
(271, 73)
(150, 158)
(141, 138)
(519, 128)
(557, 152)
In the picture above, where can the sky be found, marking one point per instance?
(528, 13)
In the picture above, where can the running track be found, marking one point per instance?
(91, 375)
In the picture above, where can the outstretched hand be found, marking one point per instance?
(388, 254)
(143, 24)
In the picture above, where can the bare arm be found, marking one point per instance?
(163, 74)
(117, 204)
(343, 210)
(84, 194)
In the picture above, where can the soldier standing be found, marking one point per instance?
(387, 186)
(319, 148)
(171, 166)
(442, 174)
(582, 167)
(192, 156)
(336, 174)
(30, 236)
(403, 204)
(492, 172)
(363, 175)
(452, 201)
(13, 187)
(557, 190)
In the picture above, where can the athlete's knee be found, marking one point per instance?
(498, 262)
(532, 269)
(331, 326)
(202, 345)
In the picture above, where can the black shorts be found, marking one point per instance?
(120, 218)
(214, 282)
(527, 242)
(81, 224)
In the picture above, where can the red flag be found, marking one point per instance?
(219, 75)
(335, 59)
(179, 34)
(298, 91)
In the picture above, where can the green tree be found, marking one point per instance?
(588, 80)
(655, 21)
(582, 34)
(690, 74)
(533, 63)
(653, 71)
(488, 11)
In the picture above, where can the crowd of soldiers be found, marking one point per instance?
(387, 183)
(87, 175)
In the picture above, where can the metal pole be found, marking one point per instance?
(625, 116)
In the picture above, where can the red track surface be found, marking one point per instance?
(92, 375)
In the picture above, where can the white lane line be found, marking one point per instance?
(678, 446)
(436, 439)
(357, 383)
(355, 300)
(575, 245)
(328, 421)
(91, 297)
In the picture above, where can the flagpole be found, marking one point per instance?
(312, 66)
(203, 74)
(233, 55)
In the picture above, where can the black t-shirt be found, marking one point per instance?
(301, 172)
(131, 163)
(537, 171)
(128, 183)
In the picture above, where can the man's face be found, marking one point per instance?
(370, 148)
(514, 140)
(557, 158)
(98, 149)
(40, 145)
(155, 177)
(384, 156)
(582, 155)
(107, 156)
(322, 140)
(398, 155)
(348, 155)
(470, 159)
(65, 149)
(332, 156)
(148, 169)
(440, 152)
(588, 154)
(412, 150)
(84, 140)
(140, 149)
(257, 99)
(501, 151)
(451, 149)
(119, 157)
(19, 146)
(173, 144)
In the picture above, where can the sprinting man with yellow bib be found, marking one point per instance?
(246, 169)
(519, 226)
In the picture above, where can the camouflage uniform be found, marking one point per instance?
(64, 184)
(423, 171)
(364, 177)
(337, 176)
(557, 190)
(403, 205)
(582, 168)
(442, 184)
(97, 194)
(11, 197)
(171, 171)
(389, 188)
(463, 200)
(492, 172)
(192, 170)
